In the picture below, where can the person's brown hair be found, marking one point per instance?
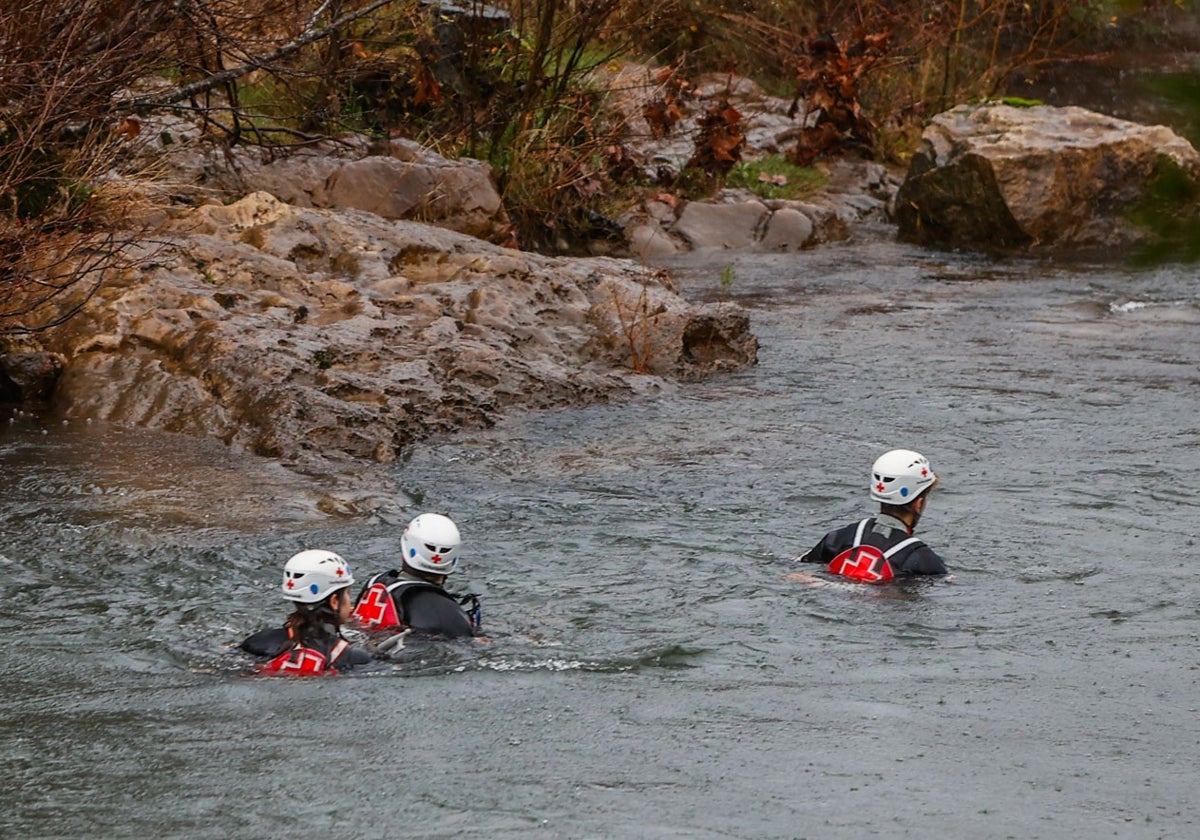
(313, 621)
(892, 510)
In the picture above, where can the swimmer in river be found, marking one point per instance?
(310, 642)
(413, 597)
(882, 547)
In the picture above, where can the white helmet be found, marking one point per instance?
(430, 544)
(312, 576)
(900, 476)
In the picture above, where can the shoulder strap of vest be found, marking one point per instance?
(420, 584)
(395, 593)
(900, 546)
(891, 552)
(366, 587)
(862, 529)
(338, 650)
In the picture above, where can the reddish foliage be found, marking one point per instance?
(622, 166)
(664, 112)
(428, 89)
(827, 80)
(719, 144)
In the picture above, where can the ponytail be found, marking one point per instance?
(314, 621)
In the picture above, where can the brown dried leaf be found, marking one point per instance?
(428, 89)
(725, 146)
(129, 128)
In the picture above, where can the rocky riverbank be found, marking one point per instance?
(331, 307)
(336, 304)
(317, 336)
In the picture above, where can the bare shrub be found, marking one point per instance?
(69, 70)
(63, 66)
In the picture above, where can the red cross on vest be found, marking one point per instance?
(864, 563)
(376, 609)
(303, 661)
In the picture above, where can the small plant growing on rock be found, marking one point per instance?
(638, 323)
(773, 177)
(727, 277)
(1021, 102)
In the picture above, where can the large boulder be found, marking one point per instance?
(421, 185)
(314, 335)
(1042, 179)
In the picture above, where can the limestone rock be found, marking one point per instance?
(314, 335)
(788, 230)
(640, 325)
(418, 184)
(736, 225)
(396, 179)
(1042, 179)
(29, 376)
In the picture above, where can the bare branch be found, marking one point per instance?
(309, 36)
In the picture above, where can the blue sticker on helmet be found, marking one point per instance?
(412, 552)
(903, 491)
(314, 589)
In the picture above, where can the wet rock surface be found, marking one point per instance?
(314, 336)
(393, 178)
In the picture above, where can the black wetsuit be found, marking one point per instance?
(883, 532)
(425, 607)
(275, 641)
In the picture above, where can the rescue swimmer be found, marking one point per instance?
(882, 547)
(413, 598)
(310, 642)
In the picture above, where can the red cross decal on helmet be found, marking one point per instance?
(880, 487)
(435, 559)
(340, 571)
(291, 584)
(924, 472)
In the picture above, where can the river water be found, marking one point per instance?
(650, 673)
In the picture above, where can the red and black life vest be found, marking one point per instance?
(866, 563)
(376, 608)
(380, 604)
(305, 660)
